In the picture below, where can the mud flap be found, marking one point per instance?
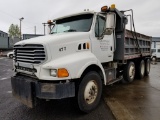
(23, 90)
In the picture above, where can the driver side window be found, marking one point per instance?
(100, 26)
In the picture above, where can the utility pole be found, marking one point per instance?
(20, 28)
(44, 28)
(35, 30)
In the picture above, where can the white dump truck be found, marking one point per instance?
(155, 51)
(82, 53)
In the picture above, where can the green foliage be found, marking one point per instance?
(14, 31)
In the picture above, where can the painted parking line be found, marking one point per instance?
(9, 91)
(3, 78)
(1, 57)
(119, 110)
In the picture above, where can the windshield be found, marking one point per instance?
(79, 23)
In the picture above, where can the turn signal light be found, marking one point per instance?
(62, 72)
(104, 9)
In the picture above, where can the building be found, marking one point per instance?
(4, 41)
(28, 36)
(3, 34)
(7, 43)
(155, 40)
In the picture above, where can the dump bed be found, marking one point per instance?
(127, 47)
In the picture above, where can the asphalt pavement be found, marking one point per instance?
(139, 100)
(12, 109)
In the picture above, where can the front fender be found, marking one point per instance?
(89, 64)
(74, 63)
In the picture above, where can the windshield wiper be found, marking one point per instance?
(53, 32)
(71, 30)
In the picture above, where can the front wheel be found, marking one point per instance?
(89, 93)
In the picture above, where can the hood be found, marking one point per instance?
(54, 38)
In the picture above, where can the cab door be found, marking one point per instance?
(102, 47)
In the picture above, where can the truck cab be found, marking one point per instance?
(156, 51)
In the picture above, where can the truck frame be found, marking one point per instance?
(83, 52)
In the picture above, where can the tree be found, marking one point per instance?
(14, 31)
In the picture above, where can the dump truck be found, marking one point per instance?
(83, 53)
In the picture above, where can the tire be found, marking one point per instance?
(89, 92)
(154, 59)
(10, 56)
(128, 72)
(147, 67)
(140, 69)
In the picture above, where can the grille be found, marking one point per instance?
(29, 53)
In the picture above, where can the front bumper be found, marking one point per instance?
(27, 89)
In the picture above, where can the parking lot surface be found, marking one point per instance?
(12, 109)
(139, 100)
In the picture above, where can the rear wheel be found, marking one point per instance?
(141, 69)
(129, 72)
(89, 93)
(147, 67)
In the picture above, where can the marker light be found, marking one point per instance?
(104, 9)
(49, 21)
(87, 45)
(113, 6)
(62, 72)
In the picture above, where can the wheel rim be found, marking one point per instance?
(142, 68)
(132, 72)
(91, 92)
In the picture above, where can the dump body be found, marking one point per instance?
(127, 47)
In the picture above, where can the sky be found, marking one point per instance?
(36, 12)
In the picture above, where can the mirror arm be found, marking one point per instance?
(102, 35)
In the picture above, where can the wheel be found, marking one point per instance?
(147, 67)
(11, 56)
(140, 69)
(89, 93)
(129, 72)
(154, 59)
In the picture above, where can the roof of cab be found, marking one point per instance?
(80, 13)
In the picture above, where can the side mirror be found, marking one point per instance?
(110, 23)
(50, 26)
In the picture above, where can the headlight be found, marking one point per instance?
(53, 72)
(61, 72)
